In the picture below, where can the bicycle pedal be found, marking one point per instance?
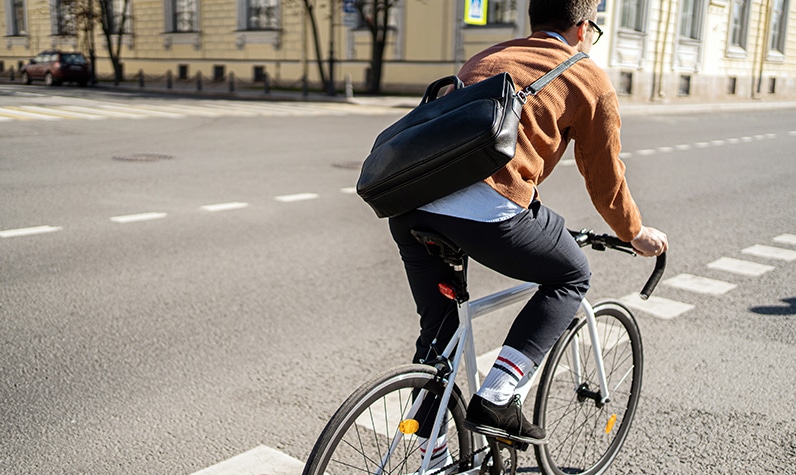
(521, 446)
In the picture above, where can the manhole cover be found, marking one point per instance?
(142, 157)
(352, 165)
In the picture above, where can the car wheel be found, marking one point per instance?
(49, 80)
(25, 78)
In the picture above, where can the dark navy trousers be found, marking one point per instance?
(533, 246)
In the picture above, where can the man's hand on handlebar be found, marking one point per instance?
(651, 242)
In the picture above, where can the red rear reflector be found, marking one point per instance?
(447, 291)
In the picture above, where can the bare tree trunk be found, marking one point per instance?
(311, 12)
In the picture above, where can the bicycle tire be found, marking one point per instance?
(358, 435)
(583, 437)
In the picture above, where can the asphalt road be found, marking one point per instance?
(161, 316)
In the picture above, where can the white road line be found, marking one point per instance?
(770, 252)
(746, 139)
(297, 197)
(570, 162)
(657, 306)
(665, 149)
(646, 151)
(624, 155)
(133, 218)
(55, 112)
(29, 231)
(349, 190)
(740, 267)
(143, 110)
(702, 144)
(792, 133)
(701, 285)
(786, 239)
(22, 115)
(717, 143)
(684, 146)
(104, 112)
(260, 460)
(225, 206)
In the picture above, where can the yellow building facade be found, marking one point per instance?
(654, 50)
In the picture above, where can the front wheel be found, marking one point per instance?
(373, 432)
(25, 77)
(584, 434)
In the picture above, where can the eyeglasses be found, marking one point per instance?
(596, 29)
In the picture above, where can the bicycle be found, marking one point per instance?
(586, 398)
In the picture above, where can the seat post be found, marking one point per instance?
(453, 255)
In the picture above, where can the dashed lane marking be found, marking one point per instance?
(296, 197)
(657, 306)
(349, 190)
(225, 206)
(65, 114)
(701, 285)
(786, 239)
(29, 231)
(134, 218)
(770, 252)
(740, 267)
(17, 114)
(111, 114)
(260, 460)
(145, 110)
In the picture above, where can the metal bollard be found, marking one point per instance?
(231, 81)
(266, 84)
(11, 73)
(140, 78)
(199, 80)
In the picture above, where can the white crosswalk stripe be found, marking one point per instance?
(95, 110)
(701, 285)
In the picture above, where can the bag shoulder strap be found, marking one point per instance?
(537, 85)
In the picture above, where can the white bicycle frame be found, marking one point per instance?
(468, 311)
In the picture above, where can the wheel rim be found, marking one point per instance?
(585, 435)
(362, 438)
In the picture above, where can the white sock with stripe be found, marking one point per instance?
(439, 456)
(510, 367)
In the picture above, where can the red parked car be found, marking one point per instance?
(56, 67)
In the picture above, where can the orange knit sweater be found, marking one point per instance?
(579, 105)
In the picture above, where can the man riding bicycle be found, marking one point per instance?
(501, 223)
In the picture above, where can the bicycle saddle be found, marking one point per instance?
(439, 245)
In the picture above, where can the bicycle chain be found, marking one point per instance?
(443, 470)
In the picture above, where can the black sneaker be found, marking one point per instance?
(506, 421)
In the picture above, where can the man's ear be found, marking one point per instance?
(582, 28)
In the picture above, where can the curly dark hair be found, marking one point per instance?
(559, 15)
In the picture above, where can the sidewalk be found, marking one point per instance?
(221, 90)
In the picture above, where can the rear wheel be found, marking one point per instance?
(24, 77)
(584, 434)
(358, 437)
(49, 80)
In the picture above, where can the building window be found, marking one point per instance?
(64, 19)
(625, 83)
(119, 10)
(684, 87)
(185, 18)
(739, 21)
(732, 85)
(691, 19)
(15, 18)
(633, 15)
(501, 12)
(262, 14)
(779, 17)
